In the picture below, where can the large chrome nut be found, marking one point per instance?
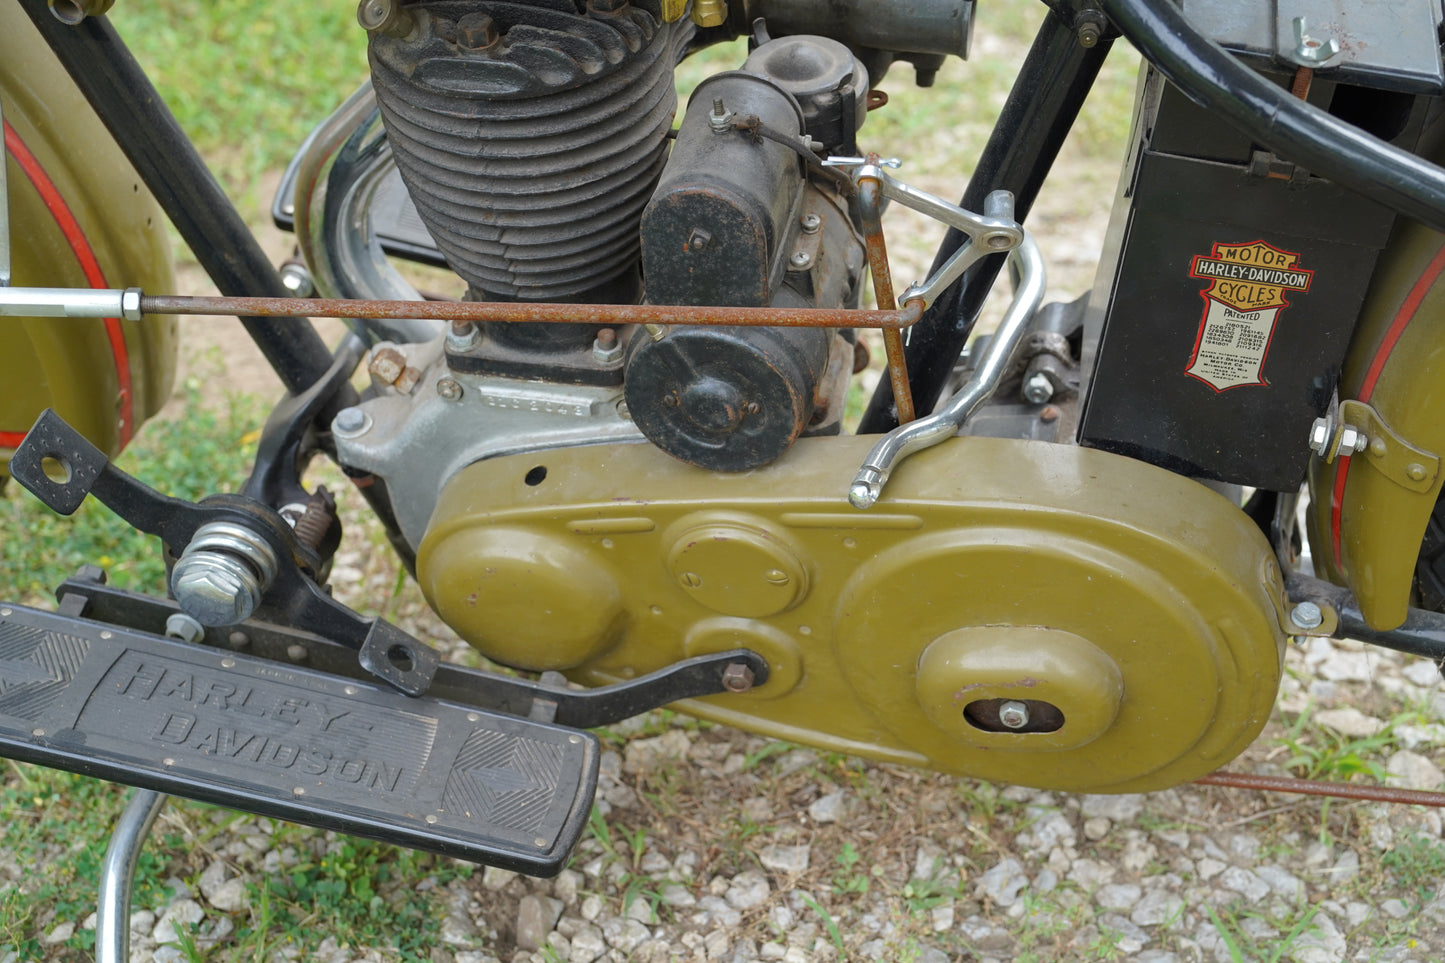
(215, 588)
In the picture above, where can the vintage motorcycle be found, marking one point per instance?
(1063, 554)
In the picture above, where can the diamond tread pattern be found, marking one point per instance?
(292, 743)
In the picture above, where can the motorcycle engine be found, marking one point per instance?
(1053, 616)
(534, 141)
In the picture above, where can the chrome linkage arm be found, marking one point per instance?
(943, 424)
(993, 232)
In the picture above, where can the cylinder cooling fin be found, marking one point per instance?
(530, 137)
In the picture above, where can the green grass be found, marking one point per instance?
(206, 451)
(247, 79)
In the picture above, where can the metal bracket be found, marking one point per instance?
(993, 232)
(1384, 450)
(60, 467)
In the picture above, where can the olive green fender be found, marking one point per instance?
(1369, 509)
(79, 217)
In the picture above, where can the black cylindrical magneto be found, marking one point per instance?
(719, 230)
(727, 399)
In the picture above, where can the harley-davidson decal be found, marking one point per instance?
(1241, 307)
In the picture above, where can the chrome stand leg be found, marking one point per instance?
(112, 917)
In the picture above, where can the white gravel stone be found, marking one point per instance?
(1413, 737)
(792, 860)
(1120, 809)
(1131, 939)
(1414, 771)
(717, 944)
(60, 934)
(1090, 873)
(212, 877)
(566, 886)
(1157, 907)
(830, 808)
(677, 895)
(1348, 667)
(230, 897)
(1322, 943)
(457, 930)
(1346, 867)
(654, 863)
(644, 755)
(1046, 881)
(592, 907)
(1350, 722)
(1244, 882)
(717, 911)
(1049, 830)
(625, 935)
(1422, 672)
(1282, 881)
(941, 917)
(1003, 882)
(1244, 849)
(641, 911)
(587, 945)
(1395, 909)
(182, 913)
(984, 935)
(495, 879)
(536, 917)
(1118, 896)
(749, 889)
(1096, 828)
(927, 861)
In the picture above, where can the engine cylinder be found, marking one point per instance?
(530, 137)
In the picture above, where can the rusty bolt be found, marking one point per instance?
(605, 349)
(737, 677)
(698, 240)
(463, 335)
(476, 31)
(387, 365)
(1050, 413)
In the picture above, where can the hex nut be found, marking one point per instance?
(1320, 433)
(181, 626)
(737, 677)
(1038, 388)
(1013, 715)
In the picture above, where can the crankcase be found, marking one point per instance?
(1029, 613)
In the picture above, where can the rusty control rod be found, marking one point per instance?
(612, 314)
(1311, 787)
(870, 213)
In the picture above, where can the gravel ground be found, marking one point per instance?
(723, 846)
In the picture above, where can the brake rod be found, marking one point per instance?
(1313, 787)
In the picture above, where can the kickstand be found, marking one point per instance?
(112, 916)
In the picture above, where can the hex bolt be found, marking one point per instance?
(1038, 388)
(1320, 433)
(811, 223)
(1013, 715)
(721, 119)
(223, 573)
(607, 349)
(737, 677)
(350, 421)
(1307, 615)
(181, 626)
(1352, 440)
(297, 280)
(462, 335)
(476, 31)
(1089, 28)
(387, 365)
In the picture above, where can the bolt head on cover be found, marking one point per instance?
(215, 588)
(1307, 615)
(1014, 715)
(1038, 388)
(1320, 433)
